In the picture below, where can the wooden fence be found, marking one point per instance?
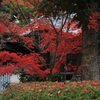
(70, 74)
(4, 82)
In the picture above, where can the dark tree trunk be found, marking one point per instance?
(91, 49)
(78, 60)
(91, 55)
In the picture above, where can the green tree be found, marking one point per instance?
(17, 11)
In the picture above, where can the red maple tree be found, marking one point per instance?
(57, 41)
(32, 63)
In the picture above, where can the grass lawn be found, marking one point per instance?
(84, 90)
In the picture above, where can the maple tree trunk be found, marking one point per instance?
(91, 55)
(91, 49)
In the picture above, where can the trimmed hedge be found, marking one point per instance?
(85, 90)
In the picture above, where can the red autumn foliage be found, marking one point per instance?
(94, 21)
(32, 63)
(60, 43)
(11, 63)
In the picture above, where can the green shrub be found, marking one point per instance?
(23, 77)
(56, 77)
(85, 90)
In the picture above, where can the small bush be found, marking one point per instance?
(85, 90)
(56, 77)
(36, 77)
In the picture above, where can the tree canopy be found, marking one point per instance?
(40, 46)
